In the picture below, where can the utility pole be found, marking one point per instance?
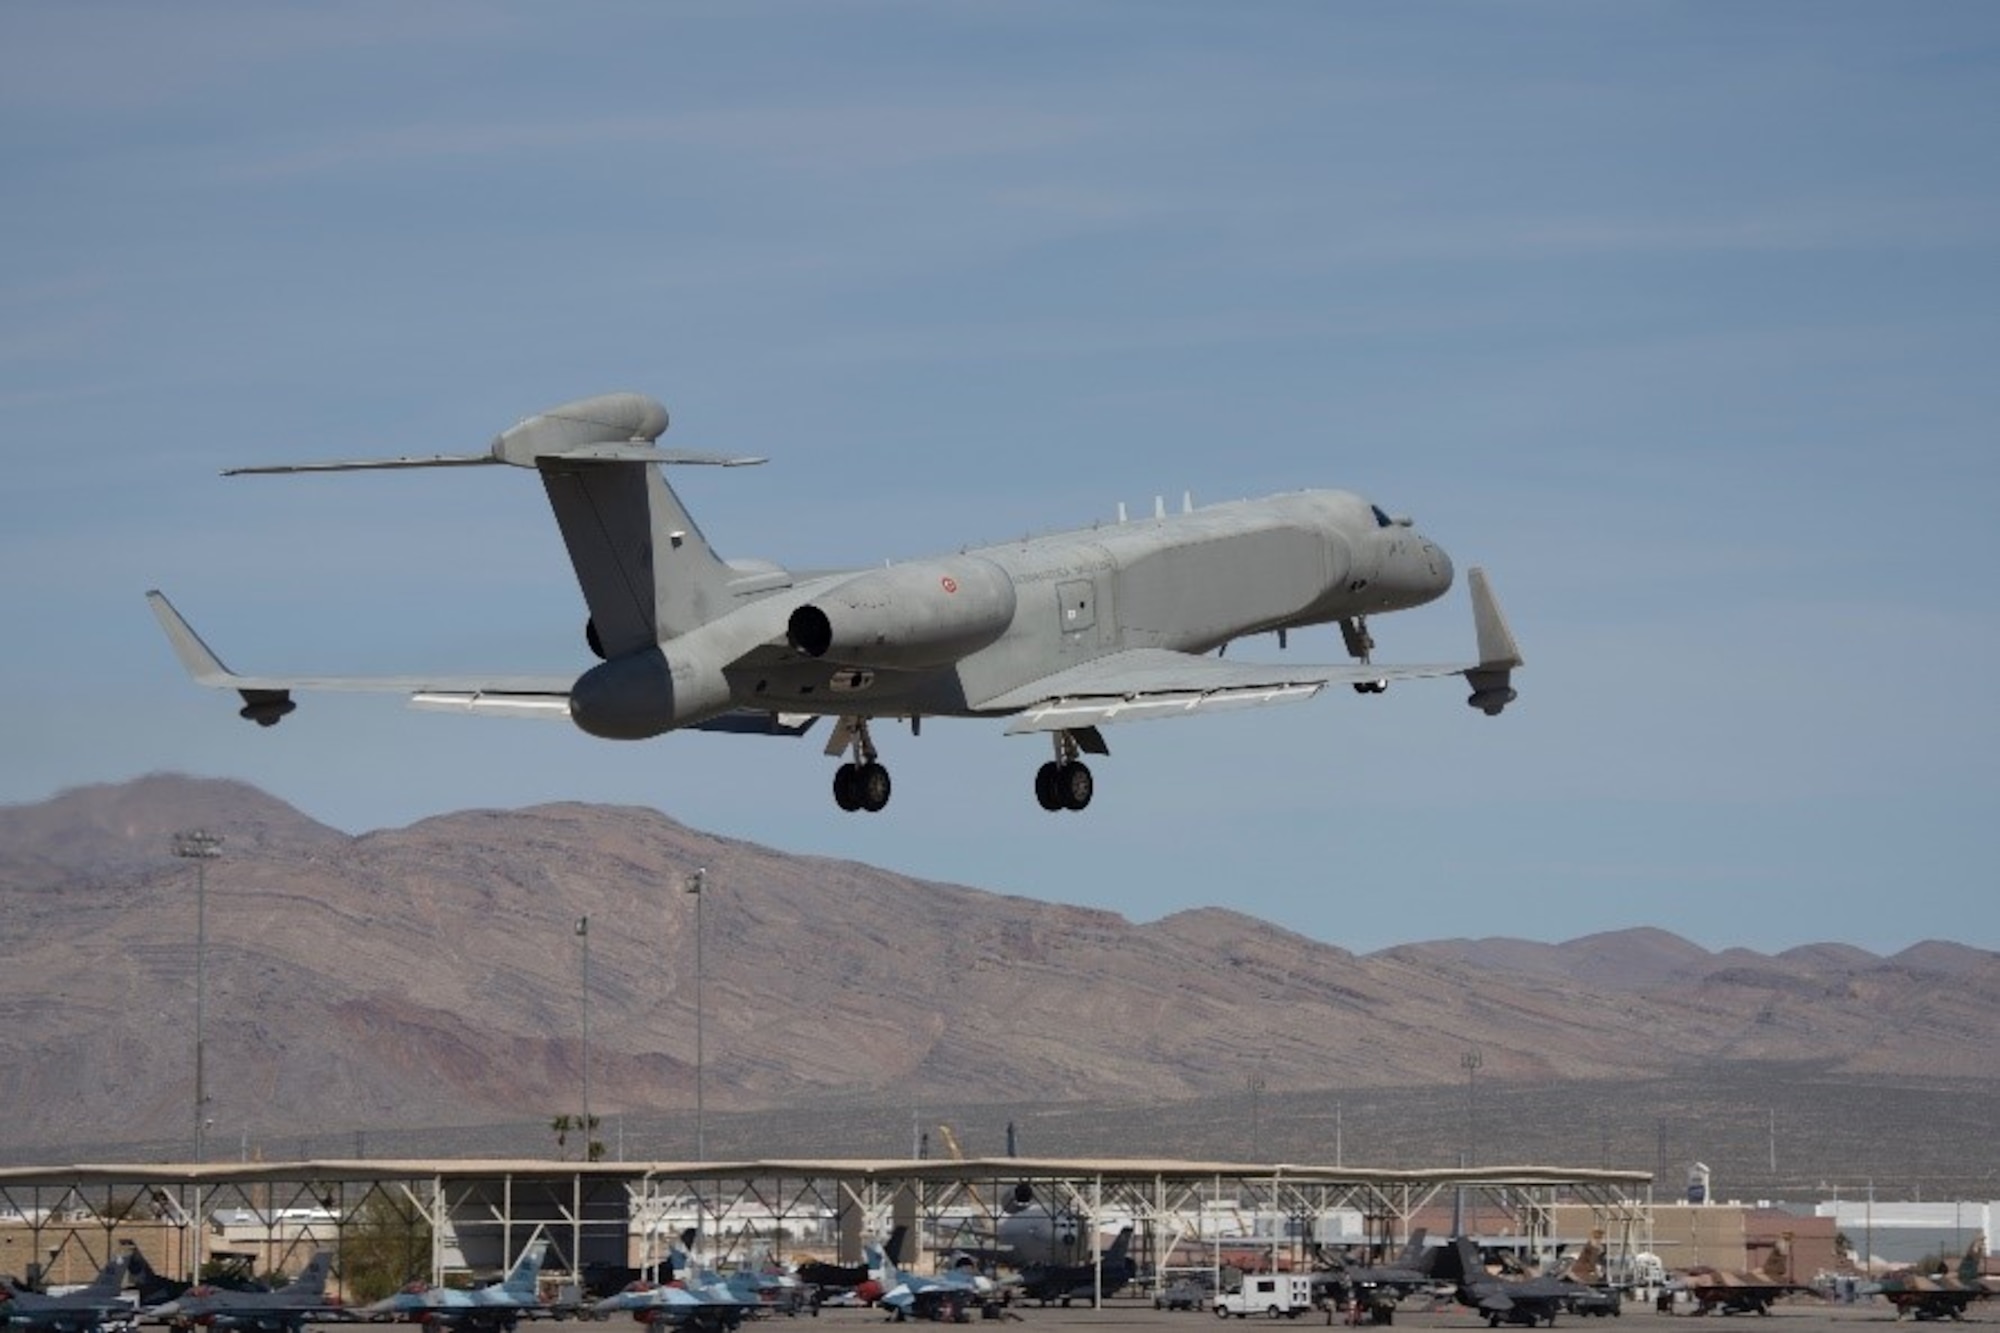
(694, 884)
(1470, 1063)
(201, 847)
(583, 937)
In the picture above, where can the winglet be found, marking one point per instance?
(197, 657)
(265, 707)
(1499, 655)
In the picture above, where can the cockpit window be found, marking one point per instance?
(1382, 520)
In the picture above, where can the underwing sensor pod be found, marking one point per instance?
(928, 613)
(1061, 635)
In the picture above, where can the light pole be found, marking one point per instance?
(201, 847)
(583, 937)
(1470, 1063)
(694, 885)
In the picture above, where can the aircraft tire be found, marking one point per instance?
(1046, 791)
(873, 786)
(1076, 786)
(847, 788)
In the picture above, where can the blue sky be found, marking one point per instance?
(1682, 319)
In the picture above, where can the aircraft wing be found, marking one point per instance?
(267, 699)
(1155, 682)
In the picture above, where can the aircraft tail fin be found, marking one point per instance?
(1119, 1247)
(888, 1274)
(1777, 1263)
(1971, 1267)
(312, 1280)
(1588, 1265)
(110, 1278)
(1413, 1249)
(894, 1247)
(646, 571)
(527, 1269)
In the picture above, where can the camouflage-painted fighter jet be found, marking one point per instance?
(1062, 634)
(1938, 1295)
(492, 1309)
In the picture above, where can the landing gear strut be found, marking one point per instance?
(1361, 647)
(1064, 783)
(863, 782)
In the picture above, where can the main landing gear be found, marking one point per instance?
(1064, 783)
(863, 782)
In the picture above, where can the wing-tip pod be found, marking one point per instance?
(1499, 654)
(263, 706)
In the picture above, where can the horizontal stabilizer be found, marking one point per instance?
(365, 465)
(636, 451)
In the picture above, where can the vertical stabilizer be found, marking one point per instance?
(527, 1270)
(645, 570)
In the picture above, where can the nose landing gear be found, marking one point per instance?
(1361, 647)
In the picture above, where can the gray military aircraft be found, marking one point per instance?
(285, 1310)
(81, 1311)
(1063, 633)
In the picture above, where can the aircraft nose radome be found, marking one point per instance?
(1441, 567)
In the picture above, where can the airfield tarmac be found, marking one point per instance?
(1806, 1316)
(1802, 1316)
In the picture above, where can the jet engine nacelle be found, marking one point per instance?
(928, 613)
(646, 694)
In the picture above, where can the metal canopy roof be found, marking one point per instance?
(850, 1169)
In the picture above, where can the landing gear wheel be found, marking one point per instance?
(872, 787)
(1371, 686)
(847, 787)
(1076, 786)
(1046, 790)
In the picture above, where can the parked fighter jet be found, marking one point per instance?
(1378, 1287)
(1082, 1282)
(830, 1279)
(946, 1296)
(493, 1309)
(285, 1310)
(1938, 1295)
(1064, 634)
(155, 1289)
(82, 1311)
(695, 1305)
(1745, 1293)
(1528, 1300)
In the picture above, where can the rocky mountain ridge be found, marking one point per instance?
(429, 976)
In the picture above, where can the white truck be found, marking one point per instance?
(1267, 1294)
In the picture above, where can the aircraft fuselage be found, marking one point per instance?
(936, 636)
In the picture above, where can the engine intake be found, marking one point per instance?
(924, 614)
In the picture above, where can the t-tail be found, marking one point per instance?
(645, 570)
